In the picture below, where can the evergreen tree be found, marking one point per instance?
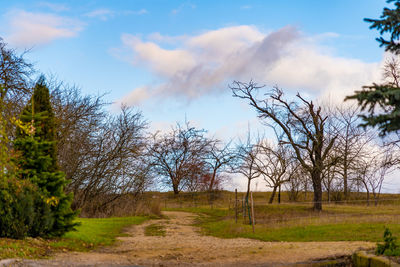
(37, 162)
(386, 96)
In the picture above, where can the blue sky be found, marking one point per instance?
(174, 59)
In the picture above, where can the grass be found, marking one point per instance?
(155, 230)
(90, 234)
(298, 223)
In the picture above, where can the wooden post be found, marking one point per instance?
(236, 210)
(252, 210)
(244, 209)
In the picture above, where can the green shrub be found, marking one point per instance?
(22, 210)
(390, 246)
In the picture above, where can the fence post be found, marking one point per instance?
(252, 210)
(244, 209)
(236, 210)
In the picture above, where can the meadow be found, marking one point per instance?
(352, 220)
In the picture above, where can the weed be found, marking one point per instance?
(390, 246)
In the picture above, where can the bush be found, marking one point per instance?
(389, 247)
(22, 210)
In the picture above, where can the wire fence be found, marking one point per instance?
(223, 200)
(385, 209)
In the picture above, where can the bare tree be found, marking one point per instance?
(78, 120)
(275, 165)
(15, 86)
(296, 183)
(373, 171)
(218, 159)
(114, 163)
(246, 161)
(176, 155)
(301, 125)
(350, 144)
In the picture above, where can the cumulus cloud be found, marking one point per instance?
(206, 63)
(27, 29)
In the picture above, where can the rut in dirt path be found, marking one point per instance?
(183, 245)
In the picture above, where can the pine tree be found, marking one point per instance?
(37, 162)
(386, 96)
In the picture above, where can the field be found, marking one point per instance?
(351, 220)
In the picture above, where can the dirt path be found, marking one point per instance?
(184, 246)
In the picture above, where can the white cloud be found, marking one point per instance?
(206, 63)
(101, 13)
(142, 11)
(165, 39)
(106, 14)
(27, 29)
(182, 7)
(54, 6)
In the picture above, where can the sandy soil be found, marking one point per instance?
(184, 246)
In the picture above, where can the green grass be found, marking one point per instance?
(155, 230)
(90, 234)
(298, 223)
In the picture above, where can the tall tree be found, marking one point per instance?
(37, 161)
(300, 124)
(382, 101)
(14, 87)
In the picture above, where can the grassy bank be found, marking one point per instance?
(298, 223)
(90, 234)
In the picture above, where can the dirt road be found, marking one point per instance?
(184, 246)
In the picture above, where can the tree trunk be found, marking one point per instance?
(345, 190)
(176, 189)
(248, 189)
(375, 199)
(329, 195)
(210, 187)
(271, 199)
(317, 185)
(279, 195)
(305, 191)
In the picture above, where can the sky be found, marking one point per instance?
(174, 60)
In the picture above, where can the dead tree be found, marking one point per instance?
(301, 125)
